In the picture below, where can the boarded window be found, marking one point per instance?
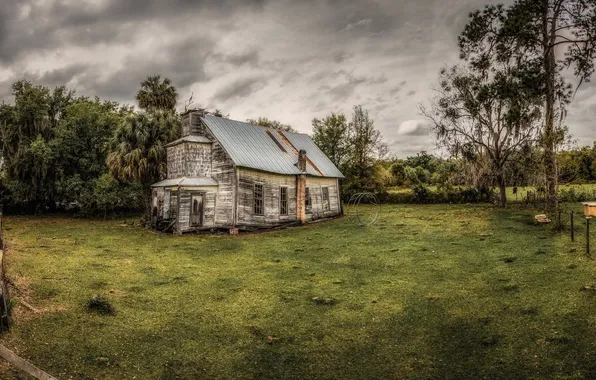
(307, 201)
(173, 204)
(283, 200)
(325, 198)
(258, 197)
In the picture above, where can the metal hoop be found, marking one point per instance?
(355, 212)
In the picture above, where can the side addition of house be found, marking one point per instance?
(229, 174)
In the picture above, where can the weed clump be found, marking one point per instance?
(100, 305)
(511, 288)
(530, 311)
(323, 301)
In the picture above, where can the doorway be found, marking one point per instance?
(196, 210)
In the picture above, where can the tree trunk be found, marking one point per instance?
(549, 138)
(146, 218)
(502, 190)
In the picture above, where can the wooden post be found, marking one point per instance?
(178, 230)
(588, 236)
(572, 230)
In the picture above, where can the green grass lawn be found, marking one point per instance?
(439, 291)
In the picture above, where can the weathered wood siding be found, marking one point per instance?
(175, 161)
(224, 172)
(315, 186)
(189, 160)
(209, 207)
(271, 184)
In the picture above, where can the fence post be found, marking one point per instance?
(572, 231)
(588, 236)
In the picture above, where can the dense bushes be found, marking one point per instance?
(421, 194)
(573, 195)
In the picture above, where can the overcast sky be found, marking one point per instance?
(290, 60)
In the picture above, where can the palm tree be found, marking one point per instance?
(157, 94)
(137, 150)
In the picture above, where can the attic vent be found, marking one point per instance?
(275, 141)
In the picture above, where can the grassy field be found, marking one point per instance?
(442, 292)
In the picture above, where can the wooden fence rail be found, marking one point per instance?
(24, 365)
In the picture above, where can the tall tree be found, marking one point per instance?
(367, 142)
(157, 94)
(265, 122)
(332, 136)
(548, 37)
(366, 146)
(27, 128)
(138, 152)
(484, 117)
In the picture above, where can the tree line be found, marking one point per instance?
(499, 114)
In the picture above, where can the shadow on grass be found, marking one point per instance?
(426, 342)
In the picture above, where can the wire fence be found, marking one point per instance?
(578, 227)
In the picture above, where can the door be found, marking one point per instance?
(196, 210)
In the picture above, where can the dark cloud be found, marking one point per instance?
(57, 77)
(414, 128)
(285, 59)
(182, 62)
(396, 89)
(49, 25)
(342, 56)
(249, 58)
(239, 89)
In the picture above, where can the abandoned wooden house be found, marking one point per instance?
(233, 175)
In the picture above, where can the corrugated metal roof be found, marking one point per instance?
(190, 138)
(261, 148)
(314, 154)
(186, 182)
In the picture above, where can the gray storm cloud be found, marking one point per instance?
(287, 60)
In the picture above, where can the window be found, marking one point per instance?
(283, 200)
(326, 198)
(307, 201)
(173, 204)
(258, 197)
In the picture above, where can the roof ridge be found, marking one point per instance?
(256, 125)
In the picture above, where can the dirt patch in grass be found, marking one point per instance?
(100, 305)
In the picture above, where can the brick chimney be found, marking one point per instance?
(191, 122)
(301, 188)
(302, 161)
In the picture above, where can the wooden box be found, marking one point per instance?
(589, 208)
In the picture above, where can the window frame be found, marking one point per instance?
(325, 197)
(258, 203)
(307, 201)
(283, 201)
